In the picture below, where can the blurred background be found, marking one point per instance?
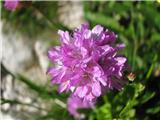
(28, 32)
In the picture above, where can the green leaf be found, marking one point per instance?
(127, 108)
(139, 62)
(98, 18)
(91, 117)
(154, 110)
(104, 112)
(16, 102)
(152, 66)
(131, 101)
(4, 101)
(146, 97)
(140, 27)
(151, 14)
(155, 37)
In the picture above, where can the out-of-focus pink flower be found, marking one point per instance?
(74, 103)
(11, 4)
(87, 61)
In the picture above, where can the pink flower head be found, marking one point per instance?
(74, 103)
(87, 61)
(11, 4)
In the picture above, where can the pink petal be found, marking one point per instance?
(96, 89)
(98, 29)
(82, 91)
(65, 37)
(63, 86)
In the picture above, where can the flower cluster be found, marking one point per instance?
(86, 62)
(11, 4)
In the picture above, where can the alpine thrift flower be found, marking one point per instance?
(86, 62)
(11, 4)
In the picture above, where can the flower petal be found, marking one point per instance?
(96, 89)
(81, 91)
(98, 29)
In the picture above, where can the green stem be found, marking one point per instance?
(51, 23)
(4, 101)
(152, 67)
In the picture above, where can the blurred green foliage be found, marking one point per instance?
(137, 25)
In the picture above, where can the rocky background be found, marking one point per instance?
(28, 56)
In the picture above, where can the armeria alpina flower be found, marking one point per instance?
(74, 103)
(11, 4)
(87, 61)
